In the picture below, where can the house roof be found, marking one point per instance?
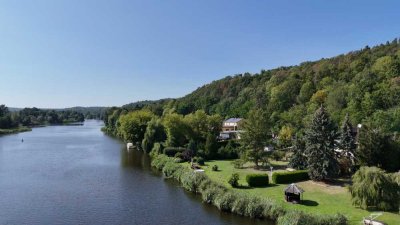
(233, 120)
(293, 188)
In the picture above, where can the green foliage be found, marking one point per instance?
(234, 180)
(230, 200)
(373, 188)
(229, 151)
(172, 151)
(289, 177)
(278, 155)
(211, 147)
(133, 125)
(214, 168)
(198, 160)
(298, 160)
(257, 180)
(320, 138)
(302, 218)
(255, 136)
(154, 133)
(238, 163)
(377, 148)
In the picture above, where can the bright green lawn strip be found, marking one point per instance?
(317, 198)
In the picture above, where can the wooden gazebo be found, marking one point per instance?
(293, 193)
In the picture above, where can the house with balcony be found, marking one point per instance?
(231, 129)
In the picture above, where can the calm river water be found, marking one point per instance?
(78, 175)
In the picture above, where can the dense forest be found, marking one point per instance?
(34, 117)
(364, 84)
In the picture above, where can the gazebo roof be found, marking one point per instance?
(293, 188)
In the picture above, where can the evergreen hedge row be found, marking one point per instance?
(228, 200)
(257, 180)
(289, 177)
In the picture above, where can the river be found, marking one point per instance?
(78, 175)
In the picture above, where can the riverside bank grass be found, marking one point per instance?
(228, 200)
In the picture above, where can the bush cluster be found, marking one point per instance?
(257, 180)
(171, 151)
(214, 168)
(234, 180)
(289, 177)
(232, 201)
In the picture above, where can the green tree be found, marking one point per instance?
(320, 139)
(133, 125)
(154, 133)
(373, 188)
(177, 130)
(298, 159)
(347, 145)
(211, 147)
(255, 136)
(370, 145)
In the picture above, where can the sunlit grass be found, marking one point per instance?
(318, 197)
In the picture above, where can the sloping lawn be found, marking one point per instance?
(318, 197)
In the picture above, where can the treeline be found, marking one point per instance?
(189, 135)
(94, 112)
(34, 116)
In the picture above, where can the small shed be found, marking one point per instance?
(293, 193)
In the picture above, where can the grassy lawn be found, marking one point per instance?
(318, 197)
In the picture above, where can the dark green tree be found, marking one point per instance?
(298, 159)
(154, 133)
(211, 147)
(320, 139)
(255, 136)
(347, 146)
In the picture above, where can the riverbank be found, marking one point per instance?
(318, 198)
(230, 200)
(15, 130)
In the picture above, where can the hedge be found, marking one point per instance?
(171, 151)
(289, 177)
(257, 180)
(239, 203)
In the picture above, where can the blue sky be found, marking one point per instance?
(103, 53)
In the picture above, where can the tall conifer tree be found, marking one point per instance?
(320, 137)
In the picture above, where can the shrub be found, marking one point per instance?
(289, 177)
(234, 180)
(171, 151)
(254, 208)
(214, 168)
(170, 168)
(278, 155)
(240, 204)
(224, 201)
(211, 192)
(257, 180)
(191, 180)
(238, 163)
(272, 210)
(159, 161)
(198, 160)
(157, 149)
(301, 218)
